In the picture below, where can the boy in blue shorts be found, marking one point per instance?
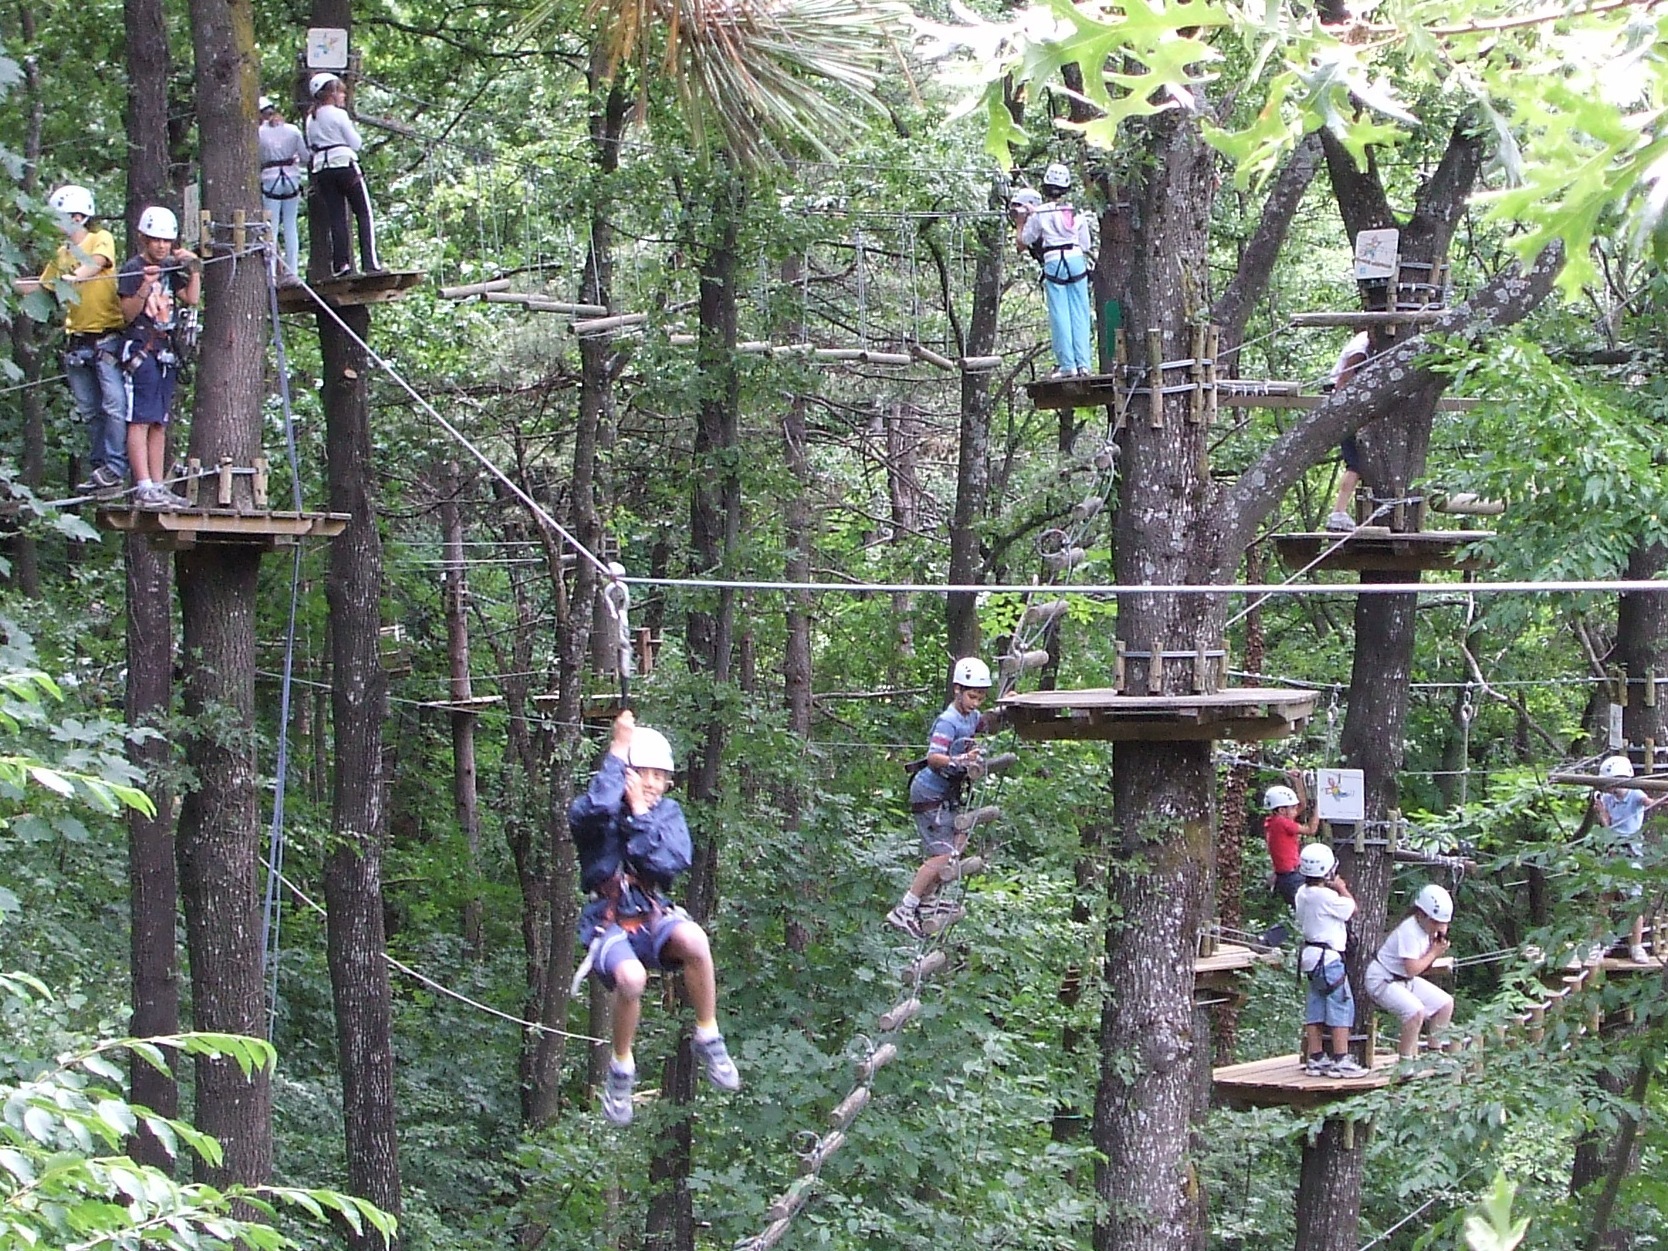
(151, 287)
(935, 790)
(1324, 907)
(632, 842)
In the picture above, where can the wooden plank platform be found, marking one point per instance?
(1249, 714)
(1378, 549)
(1101, 389)
(1280, 1082)
(175, 530)
(1231, 957)
(392, 284)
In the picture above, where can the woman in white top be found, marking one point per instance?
(333, 141)
(1394, 977)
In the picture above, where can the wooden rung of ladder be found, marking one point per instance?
(490, 287)
(1087, 509)
(791, 1200)
(975, 817)
(899, 1015)
(876, 1060)
(845, 1112)
(819, 1155)
(920, 970)
(1064, 559)
(939, 922)
(1000, 763)
(1016, 663)
(968, 866)
(1043, 613)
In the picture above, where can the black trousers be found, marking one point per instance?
(343, 187)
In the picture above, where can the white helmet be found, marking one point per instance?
(318, 82)
(1435, 903)
(72, 199)
(1279, 797)
(1616, 767)
(157, 222)
(1057, 175)
(649, 750)
(1025, 197)
(265, 103)
(1317, 860)
(971, 671)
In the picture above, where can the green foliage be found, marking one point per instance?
(1491, 1227)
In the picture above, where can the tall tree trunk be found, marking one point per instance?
(465, 796)
(219, 820)
(715, 529)
(25, 335)
(359, 820)
(1393, 458)
(153, 882)
(990, 239)
(1160, 843)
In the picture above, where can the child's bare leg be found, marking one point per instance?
(1340, 1040)
(1311, 1039)
(688, 946)
(1408, 1045)
(629, 980)
(925, 884)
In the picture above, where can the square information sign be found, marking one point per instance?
(1340, 795)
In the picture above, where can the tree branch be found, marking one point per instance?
(1262, 249)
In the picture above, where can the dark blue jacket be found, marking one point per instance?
(654, 848)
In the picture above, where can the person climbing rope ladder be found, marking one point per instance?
(1063, 236)
(935, 790)
(632, 843)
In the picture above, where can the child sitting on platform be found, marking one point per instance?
(1324, 907)
(1394, 977)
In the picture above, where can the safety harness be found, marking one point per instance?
(292, 182)
(627, 906)
(1320, 966)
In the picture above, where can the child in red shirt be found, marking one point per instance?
(1284, 833)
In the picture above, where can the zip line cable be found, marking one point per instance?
(439, 988)
(463, 440)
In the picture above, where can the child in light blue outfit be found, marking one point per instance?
(1622, 810)
(1061, 234)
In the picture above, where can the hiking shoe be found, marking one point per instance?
(159, 498)
(908, 922)
(1340, 523)
(1347, 1066)
(1318, 1067)
(346, 271)
(721, 1070)
(1639, 955)
(616, 1094)
(102, 482)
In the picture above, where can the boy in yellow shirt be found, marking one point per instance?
(83, 276)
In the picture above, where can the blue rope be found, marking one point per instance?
(275, 837)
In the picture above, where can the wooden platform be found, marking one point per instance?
(1102, 389)
(392, 284)
(1377, 549)
(1219, 972)
(1249, 714)
(1280, 1082)
(172, 531)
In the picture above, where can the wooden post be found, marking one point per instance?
(1395, 836)
(1120, 675)
(1650, 690)
(1196, 371)
(1213, 338)
(263, 473)
(205, 246)
(1155, 371)
(224, 495)
(240, 230)
(1120, 358)
(193, 477)
(1618, 678)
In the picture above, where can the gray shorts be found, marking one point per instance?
(937, 827)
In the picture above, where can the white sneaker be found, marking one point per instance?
(1319, 1068)
(616, 1094)
(908, 922)
(721, 1070)
(1340, 523)
(1639, 955)
(1347, 1066)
